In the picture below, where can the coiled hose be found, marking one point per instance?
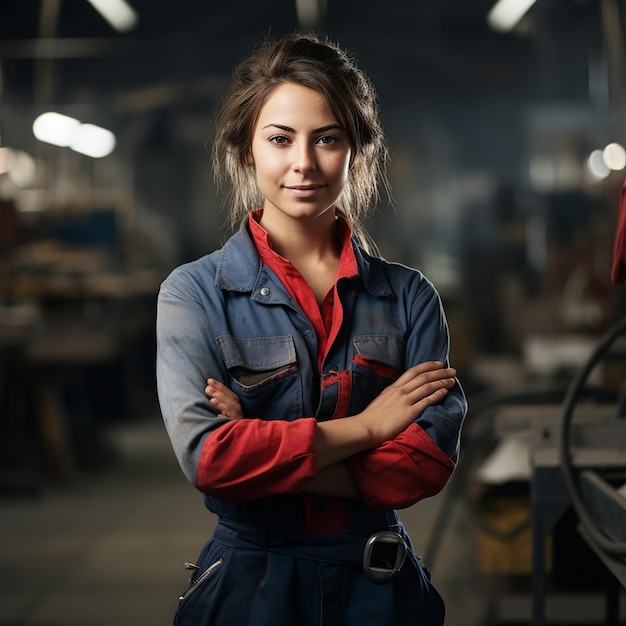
(595, 530)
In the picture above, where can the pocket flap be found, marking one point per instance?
(382, 348)
(257, 353)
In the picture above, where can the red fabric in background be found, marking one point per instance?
(618, 269)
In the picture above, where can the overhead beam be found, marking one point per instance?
(61, 48)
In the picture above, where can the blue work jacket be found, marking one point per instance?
(229, 317)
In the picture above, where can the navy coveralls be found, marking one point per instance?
(229, 317)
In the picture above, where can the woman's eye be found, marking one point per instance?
(279, 140)
(328, 139)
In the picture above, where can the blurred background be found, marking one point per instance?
(506, 127)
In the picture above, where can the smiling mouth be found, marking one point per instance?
(304, 191)
(304, 187)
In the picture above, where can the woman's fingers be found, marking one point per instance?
(407, 398)
(433, 397)
(423, 379)
(417, 370)
(223, 399)
(433, 382)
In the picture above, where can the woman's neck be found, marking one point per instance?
(312, 247)
(303, 242)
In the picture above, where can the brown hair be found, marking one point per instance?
(321, 65)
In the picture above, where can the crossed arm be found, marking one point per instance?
(398, 406)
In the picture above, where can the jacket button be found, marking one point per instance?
(265, 291)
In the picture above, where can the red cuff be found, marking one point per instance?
(251, 458)
(400, 472)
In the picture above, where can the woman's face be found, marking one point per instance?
(300, 152)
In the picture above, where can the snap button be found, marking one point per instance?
(265, 291)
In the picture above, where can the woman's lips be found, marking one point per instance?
(304, 191)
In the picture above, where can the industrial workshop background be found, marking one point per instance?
(506, 132)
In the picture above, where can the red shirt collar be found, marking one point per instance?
(347, 261)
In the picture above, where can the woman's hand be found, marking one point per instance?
(223, 399)
(386, 416)
(406, 399)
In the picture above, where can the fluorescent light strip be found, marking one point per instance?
(505, 14)
(310, 13)
(57, 129)
(67, 132)
(93, 141)
(614, 156)
(118, 13)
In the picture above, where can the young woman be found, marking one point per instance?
(304, 381)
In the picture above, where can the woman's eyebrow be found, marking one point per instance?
(288, 129)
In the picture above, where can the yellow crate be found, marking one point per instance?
(504, 537)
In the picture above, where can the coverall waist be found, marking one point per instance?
(334, 549)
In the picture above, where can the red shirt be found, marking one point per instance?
(327, 319)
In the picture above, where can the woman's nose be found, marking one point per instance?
(304, 158)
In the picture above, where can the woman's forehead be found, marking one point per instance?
(293, 103)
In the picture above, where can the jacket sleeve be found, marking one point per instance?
(229, 459)
(419, 462)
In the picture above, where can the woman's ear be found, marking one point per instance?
(249, 158)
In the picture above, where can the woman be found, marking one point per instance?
(304, 381)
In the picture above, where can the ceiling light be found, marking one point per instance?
(310, 13)
(505, 14)
(93, 141)
(118, 13)
(54, 128)
(67, 132)
(614, 156)
(596, 167)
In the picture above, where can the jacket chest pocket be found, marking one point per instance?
(260, 367)
(378, 360)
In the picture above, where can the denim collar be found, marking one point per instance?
(239, 266)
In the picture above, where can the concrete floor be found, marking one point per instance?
(108, 549)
